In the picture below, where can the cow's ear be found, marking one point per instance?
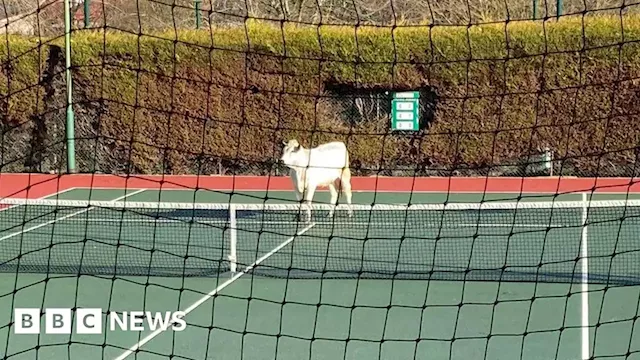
(284, 142)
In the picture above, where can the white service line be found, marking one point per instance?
(213, 292)
(62, 218)
(42, 197)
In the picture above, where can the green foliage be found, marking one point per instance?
(505, 90)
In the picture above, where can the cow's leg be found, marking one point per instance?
(308, 198)
(299, 197)
(298, 189)
(345, 186)
(334, 196)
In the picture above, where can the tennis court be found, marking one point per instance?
(385, 284)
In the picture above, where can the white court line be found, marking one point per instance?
(213, 292)
(41, 198)
(62, 218)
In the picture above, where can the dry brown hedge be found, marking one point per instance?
(204, 103)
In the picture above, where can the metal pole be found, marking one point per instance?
(559, 7)
(87, 14)
(71, 148)
(197, 4)
(535, 9)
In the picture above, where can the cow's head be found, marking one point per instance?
(290, 151)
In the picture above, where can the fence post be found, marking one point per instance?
(197, 4)
(87, 13)
(535, 9)
(71, 148)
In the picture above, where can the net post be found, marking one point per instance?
(559, 9)
(70, 123)
(197, 5)
(233, 239)
(584, 291)
(87, 13)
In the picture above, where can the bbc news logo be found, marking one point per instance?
(89, 321)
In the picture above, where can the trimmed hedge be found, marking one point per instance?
(227, 98)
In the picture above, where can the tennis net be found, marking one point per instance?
(502, 241)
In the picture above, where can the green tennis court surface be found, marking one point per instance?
(294, 314)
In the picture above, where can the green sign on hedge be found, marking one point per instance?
(405, 111)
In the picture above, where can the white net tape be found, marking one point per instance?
(489, 205)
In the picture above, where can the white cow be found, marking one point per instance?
(325, 165)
